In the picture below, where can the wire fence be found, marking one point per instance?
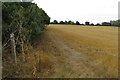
(11, 43)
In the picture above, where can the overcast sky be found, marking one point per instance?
(94, 11)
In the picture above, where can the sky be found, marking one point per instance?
(94, 11)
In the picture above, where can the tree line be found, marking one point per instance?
(111, 23)
(23, 19)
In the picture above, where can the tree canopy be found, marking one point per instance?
(24, 19)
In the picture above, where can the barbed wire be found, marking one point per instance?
(17, 41)
(8, 39)
(6, 43)
(7, 46)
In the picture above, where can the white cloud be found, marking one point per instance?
(81, 10)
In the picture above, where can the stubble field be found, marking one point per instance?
(82, 51)
(69, 51)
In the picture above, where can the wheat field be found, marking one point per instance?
(69, 51)
(82, 51)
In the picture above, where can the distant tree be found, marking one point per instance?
(92, 24)
(106, 24)
(82, 24)
(118, 23)
(77, 23)
(55, 22)
(71, 22)
(66, 22)
(87, 23)
(98, 24)
(61, 22)
(26, 0)
(115, 23)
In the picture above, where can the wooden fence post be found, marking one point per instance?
(13, 46)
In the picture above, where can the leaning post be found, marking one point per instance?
(13, 46)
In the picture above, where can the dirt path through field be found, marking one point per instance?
(75, 61)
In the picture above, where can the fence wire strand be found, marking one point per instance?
(6, 43)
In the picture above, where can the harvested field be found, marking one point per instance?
(81, 51)
(68, 51)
